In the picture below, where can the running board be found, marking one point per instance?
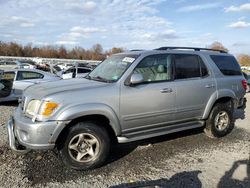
(158, 132)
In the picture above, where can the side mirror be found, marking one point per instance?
(136, 78)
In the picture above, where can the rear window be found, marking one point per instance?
(227, 65)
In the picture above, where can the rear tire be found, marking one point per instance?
(86, 146)
(220, 121)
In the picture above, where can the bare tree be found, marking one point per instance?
(244, 60)
(218, 46)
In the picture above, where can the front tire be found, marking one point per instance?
(220, 121)
(86, 146)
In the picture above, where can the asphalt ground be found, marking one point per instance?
(186, 159)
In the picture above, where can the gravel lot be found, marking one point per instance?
(187, 159)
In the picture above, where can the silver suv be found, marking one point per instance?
(128, 97)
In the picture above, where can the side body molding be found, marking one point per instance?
(214, 97)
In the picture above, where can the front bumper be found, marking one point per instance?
(32, 135)
(14, 145)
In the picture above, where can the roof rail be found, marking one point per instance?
(134, 50)
(189, 48)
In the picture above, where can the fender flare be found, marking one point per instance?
(81, 110)
(216, 96)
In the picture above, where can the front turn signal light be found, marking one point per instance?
(48, 108)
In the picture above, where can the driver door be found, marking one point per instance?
(150, 104)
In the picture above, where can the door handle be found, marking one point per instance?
(209, 86)
(166, 90)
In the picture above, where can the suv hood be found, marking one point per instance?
(41, 90)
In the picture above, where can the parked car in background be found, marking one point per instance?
(9, 65)
(14, 81)
(49, 67)
(75, 72)
(27, 66)
(17, 65)
(65, 66)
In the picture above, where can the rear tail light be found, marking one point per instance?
(244, 84)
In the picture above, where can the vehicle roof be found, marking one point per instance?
(32, 70)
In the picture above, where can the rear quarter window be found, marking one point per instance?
(28, 75)
(227, 65)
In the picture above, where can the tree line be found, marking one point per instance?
(94, 53)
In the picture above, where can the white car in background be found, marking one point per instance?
(75, 72)
(27, 66)
(65, 66)
(14, 81)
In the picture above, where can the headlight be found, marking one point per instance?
(48, 108)
(36, 107)
(33, 107)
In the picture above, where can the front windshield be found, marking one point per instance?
(111, 69)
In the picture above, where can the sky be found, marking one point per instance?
(130, 24)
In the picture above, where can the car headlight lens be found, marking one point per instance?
(37, 107)
(48, 108)
(33, 107)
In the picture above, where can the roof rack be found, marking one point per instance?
(189, 48)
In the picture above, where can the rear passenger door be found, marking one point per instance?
(194, 86)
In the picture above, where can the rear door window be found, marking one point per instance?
(28, 75)
(227, 65)
(189, 66)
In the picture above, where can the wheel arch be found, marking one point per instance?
(222, 96)
(99, 113)
(100, 120)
